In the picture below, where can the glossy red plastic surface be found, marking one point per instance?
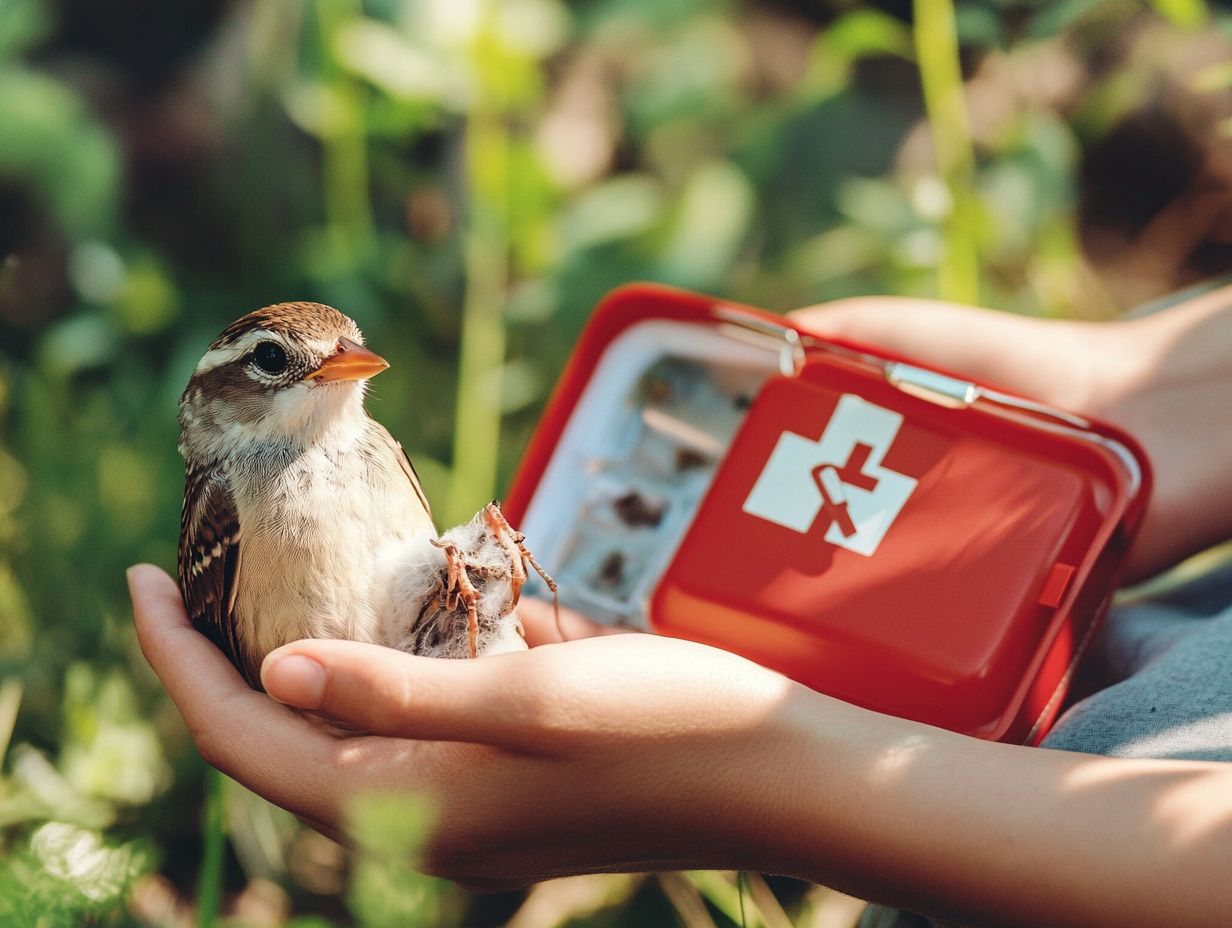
(970, 610)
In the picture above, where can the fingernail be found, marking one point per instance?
(294, 679)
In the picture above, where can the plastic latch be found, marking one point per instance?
(1055, 585)
(931, 386)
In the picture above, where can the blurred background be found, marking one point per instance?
(466, 178)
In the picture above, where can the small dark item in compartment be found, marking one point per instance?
(612, 570)
(688, 459)
(657, 390)
(636, 511)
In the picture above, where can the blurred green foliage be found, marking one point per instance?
(467, 179)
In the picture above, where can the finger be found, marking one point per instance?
(539, 621)
(963, 339)
(247, 735)
(890, 322)
(1047, 359)
(189, 666)
(387, 692)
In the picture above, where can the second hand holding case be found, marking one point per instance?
(885, 533)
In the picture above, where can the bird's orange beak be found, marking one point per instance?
(352, 361)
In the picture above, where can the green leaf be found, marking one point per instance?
(23, 24)
(53, 143)
(386, 890)
(1187, 14)
(866, 32)
(713, 217)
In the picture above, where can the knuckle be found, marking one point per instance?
(442, 856)
(211, 746)
(405, 687)
(434, 863)
(453, 858)
(377, 699)
(209, 732)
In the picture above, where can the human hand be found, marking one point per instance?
(1072, 365)
(1164, 378)
(624, 752)
(634, 752)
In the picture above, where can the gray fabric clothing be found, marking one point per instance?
(1169, 662)
(1173, 660)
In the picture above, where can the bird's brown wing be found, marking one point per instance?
(408, 468)
(210, 563)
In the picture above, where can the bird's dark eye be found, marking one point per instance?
(270, 357)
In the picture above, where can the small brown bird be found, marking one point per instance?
(303, 518)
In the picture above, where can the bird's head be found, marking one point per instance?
(281, 376)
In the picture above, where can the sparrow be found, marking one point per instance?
(304, 518)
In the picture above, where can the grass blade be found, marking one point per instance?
(936, 46)
(214, 839)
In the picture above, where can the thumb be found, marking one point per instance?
(1022, 354)
(942, 333)
(386, 692)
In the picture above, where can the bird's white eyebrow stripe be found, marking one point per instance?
(225, 354)
(233, 351)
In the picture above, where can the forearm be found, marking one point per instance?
(992, 834)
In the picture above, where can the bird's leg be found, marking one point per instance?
(504, 535)
(547, 579)
(458, 587)
(519, 539)
(514, 542)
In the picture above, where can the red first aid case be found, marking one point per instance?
(881, 531)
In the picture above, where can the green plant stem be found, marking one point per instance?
(214, 838)
(936, 47)
(482, 348)
(344, 147)
(742, 884)
(727, 897)
(10, 702)
(345, 170)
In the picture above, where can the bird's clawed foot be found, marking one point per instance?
(486, 551)
(458, 588)
(514, 544)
